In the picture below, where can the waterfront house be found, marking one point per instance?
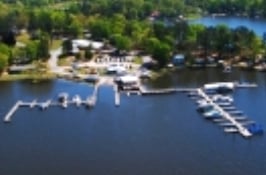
(178, 59)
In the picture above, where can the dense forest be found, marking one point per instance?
(127, 24)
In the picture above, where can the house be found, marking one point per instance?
(178, 59)
(83, 43)
(115, 69)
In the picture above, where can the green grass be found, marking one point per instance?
(24, 38)
(193, 16)
(65, 61)
(55, 44)
(137, 60)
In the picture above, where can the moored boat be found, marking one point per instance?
(62, 97)
(77, 100)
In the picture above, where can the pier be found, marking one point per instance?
(144, 91)
(232, 121)
(12, 111)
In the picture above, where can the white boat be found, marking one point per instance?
(45, 105)
(212, 114)
(62, 97)
(90, 102)
(33, 103)
(64, 104)
(220, 86)
(222, 98)
(77, 100)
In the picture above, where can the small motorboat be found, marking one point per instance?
(212, 114)
(77, 100)
(64, 104)
(204, 107)
(222, 98)
(62, 97)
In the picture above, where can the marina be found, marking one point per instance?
(214, 106)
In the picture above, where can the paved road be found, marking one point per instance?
(53, 60)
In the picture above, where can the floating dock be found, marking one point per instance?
(232, 121)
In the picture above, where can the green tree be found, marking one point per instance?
(121, 42)
(75, 28)
(67, 46)
(43, 48)
(32, 50)
(3, 61)
(88, 54)
(161, 54)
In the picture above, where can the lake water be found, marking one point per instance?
(257, 25)
(150, 135)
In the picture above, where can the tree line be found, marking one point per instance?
(124, 24)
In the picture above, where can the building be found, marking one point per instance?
(127, 82)
(178, 59)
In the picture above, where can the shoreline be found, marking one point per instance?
(34, 78)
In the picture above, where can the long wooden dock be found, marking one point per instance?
(233, 122)
(8, 116)
(145, 91)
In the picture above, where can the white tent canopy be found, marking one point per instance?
(229, 85)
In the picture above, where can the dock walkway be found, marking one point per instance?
(145, 91)
(242, 130)
(8, 116)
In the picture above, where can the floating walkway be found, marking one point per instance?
(232, 121)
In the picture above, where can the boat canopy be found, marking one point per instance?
(129, 79)
(215, 86)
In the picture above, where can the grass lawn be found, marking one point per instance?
(67, 61)
(24, 38)
(138, 60)
(55, 44)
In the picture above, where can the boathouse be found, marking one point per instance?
(127, 82)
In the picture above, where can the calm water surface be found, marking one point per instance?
(151, 135)
(257, 25)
